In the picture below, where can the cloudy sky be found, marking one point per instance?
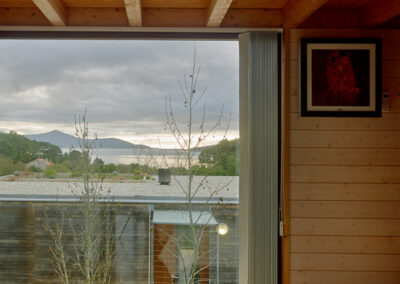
(123, 84)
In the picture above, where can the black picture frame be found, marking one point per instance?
(341, 77)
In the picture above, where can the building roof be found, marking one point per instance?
(217, 190)
(179, 217)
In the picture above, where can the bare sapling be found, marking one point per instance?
(190, 136)
(91, 257)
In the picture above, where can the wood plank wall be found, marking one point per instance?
(345, 182)
(164, 261)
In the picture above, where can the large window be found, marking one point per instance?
(119, 161)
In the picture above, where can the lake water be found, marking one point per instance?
(156, 157)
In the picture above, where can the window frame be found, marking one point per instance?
(124, 33)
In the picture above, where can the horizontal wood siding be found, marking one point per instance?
(25, 241)
(345, 182)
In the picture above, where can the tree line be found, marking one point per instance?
(17, 150)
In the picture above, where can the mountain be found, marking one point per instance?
(55, 137)
(64, 140)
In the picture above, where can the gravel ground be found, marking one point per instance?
(229, 187)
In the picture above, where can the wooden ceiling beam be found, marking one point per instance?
(134, 11)
(216, 12)
(116, 17)
(377, 12)
(53, 10)
(297, 11)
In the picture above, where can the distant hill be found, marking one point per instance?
(64, 140)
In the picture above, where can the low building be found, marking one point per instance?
(39, 163)
(150, 224)
(148, 236)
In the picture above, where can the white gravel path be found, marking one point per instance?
(229, 186)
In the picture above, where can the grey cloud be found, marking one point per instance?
(50, 81)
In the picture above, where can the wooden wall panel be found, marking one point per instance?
(388, 121)
(348, 174)
(345, 182)
(345, 191)
(345, 244)
(344, 277)
(164, 260)
(344, 227)
(345, 209)
(345, 262)
(344, 138)
(345, 156)
(394, 99)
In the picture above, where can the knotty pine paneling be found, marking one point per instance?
(345, 182)
(344, 277)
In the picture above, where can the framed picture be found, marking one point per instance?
(341, 77)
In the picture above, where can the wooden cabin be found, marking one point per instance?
(331, 181)
(144, 243)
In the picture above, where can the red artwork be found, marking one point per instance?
(340, 78)
(342, 86)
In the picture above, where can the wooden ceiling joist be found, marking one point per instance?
(134, 11)
(297, 11)
(216, 12)
(53, 10)
(200, 13)
(378, 12)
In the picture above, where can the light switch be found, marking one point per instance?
(385, 102)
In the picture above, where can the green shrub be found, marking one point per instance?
(50, 173)
(111, 175)
(76, 174)
(68, 164)
(109, 168)
(60, 168)
(124, 169)
(19, 166)
(6, 166)
(35, 169)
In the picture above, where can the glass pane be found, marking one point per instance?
(119, 161)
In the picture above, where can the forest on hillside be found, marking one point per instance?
(16, 151)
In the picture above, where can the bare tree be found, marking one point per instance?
(92, 258)
(190, 137)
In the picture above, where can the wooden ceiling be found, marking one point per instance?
(202, 13)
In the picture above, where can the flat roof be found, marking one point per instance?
(181, 217)
(116, 199)
(217, 189)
